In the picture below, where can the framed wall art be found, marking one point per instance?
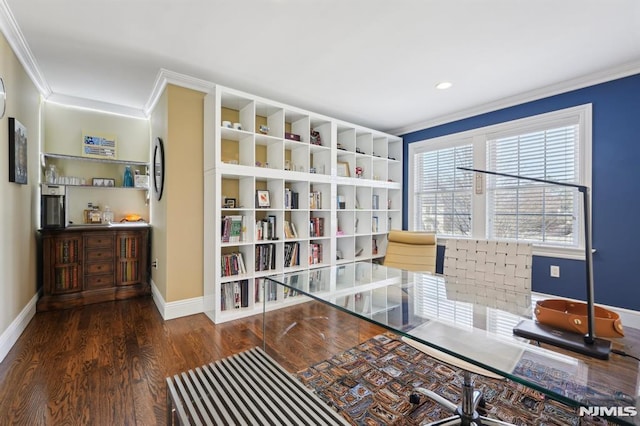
(158, 168)
(17, 152)
(262, 199)
(343, 169)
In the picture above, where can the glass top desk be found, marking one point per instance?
(470, 326)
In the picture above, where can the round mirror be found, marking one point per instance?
(158, 167)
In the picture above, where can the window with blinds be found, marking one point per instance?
(554, 146)
(431, 302)
(533, 211)
(442, 191)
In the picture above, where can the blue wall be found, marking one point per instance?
(615, 192)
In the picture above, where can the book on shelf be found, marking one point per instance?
(290, 199)
(315, 200)
(291, 254)
(234, 295)
(266, 229)
(375, 202)
(232, 228)
(315, 253)
(265, 288)
(232, 264)
(265, 257)
(290, 230)
(316, 227)
(374, 224)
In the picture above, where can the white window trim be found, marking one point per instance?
(478, 138)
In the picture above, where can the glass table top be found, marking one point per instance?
(470, 324)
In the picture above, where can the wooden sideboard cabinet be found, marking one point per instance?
(92, 264)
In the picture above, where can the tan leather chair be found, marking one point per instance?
(411, 250)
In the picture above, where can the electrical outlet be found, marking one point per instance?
(155, 263)
(554, 271)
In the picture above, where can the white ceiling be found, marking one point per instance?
(371, 62)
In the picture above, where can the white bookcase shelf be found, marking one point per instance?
(315, 216)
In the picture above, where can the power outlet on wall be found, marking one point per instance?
(155, 263)
(554, 271)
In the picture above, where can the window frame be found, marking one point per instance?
(478, 137)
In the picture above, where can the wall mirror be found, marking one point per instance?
(158, 168)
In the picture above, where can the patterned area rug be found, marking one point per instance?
(370, 384)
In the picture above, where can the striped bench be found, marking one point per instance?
(248, 388)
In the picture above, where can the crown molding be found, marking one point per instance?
(165, 77)
(603, 76)
(16, 40)
(93, 105)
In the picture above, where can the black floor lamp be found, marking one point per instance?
(587, 344)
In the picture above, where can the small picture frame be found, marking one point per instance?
(262, 199)
(343, 169)
(104, 182)
(230, 203)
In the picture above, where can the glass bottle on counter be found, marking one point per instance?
(107, 215)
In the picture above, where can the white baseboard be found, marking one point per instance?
(180, 308)
(15, 329)
(628, 317)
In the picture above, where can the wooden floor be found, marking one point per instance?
(106, 364)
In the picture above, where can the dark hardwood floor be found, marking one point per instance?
(106, 364)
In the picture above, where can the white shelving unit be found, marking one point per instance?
(337, 218)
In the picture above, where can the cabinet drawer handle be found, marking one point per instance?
(99, 267)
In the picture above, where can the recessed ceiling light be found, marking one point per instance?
(444, 85)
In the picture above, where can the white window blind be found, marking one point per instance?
(533, 211)
(442, 191)
(431, 302)
(453, 203)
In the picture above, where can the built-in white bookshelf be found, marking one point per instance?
(309, 190)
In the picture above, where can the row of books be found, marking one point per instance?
(232, 264)
(290, 199)
(265, 257)
(266, 229)
(291, 254)
(315, 200)
(232, 228)
(315, 253)
(290, 230)
(316, 227)
(265, 288)
(234, 295)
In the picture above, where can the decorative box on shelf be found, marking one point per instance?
(292, 136)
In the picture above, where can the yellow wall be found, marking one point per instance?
(18, 214)
(185, 195)
(178, 217)
(64, 127)
(159, 124)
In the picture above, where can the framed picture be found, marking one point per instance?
(230, 203)
(158, 168)
(105, 182)
(17, 152)
(262, 199)
(343, 169)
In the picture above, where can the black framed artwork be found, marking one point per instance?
(158, 168)
(17, 152)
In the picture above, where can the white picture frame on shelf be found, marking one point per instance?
(262, 199)
(342, 169)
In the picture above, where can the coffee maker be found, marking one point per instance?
(53, 206)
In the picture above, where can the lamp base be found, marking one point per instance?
(533, 330)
